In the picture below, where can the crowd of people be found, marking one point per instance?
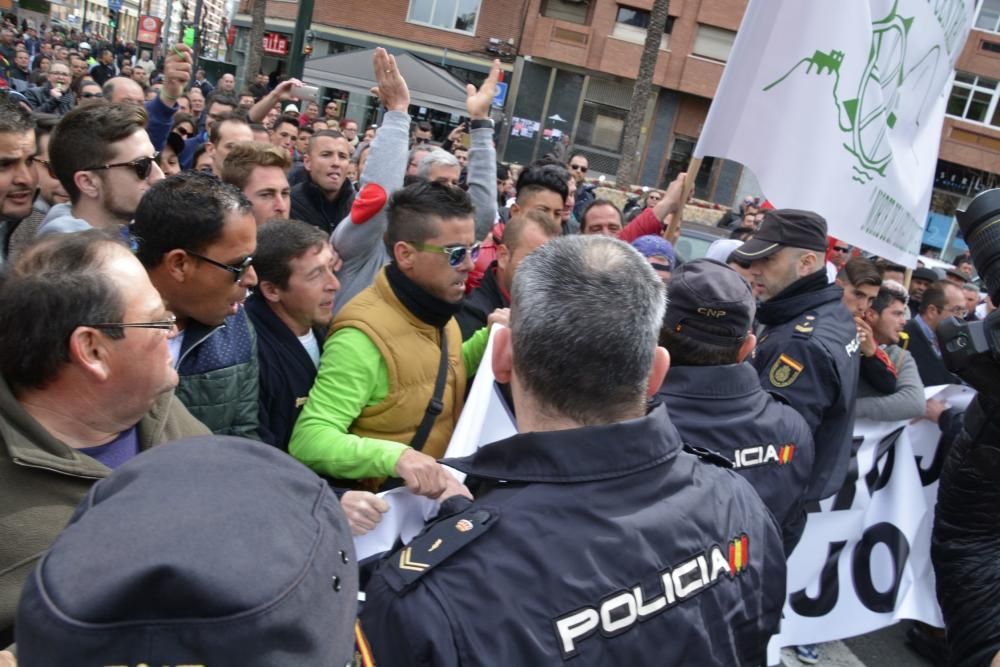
(249, 275)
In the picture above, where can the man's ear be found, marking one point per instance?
(661, 364)
(404, 254)
(503, 358)
(269, 291)
(177, 264)
(88, 183)
(89, 353)
(503, 256)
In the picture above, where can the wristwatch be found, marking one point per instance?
(481, 123)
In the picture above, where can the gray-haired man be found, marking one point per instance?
(687, 550)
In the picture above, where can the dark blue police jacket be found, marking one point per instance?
(607, 545)
(725, 410)
(807, 356)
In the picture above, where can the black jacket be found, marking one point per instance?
(482, 301)
(807, 356)
(286, 371)
(40, 100)
(567, 522)
(724, 409)
(309, 205)
(930, 366)
(101, 73)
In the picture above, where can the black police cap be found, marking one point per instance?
(709, 302)
(785, 228)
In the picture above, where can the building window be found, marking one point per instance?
(601, 126)
(574, 11)
(457, 15)
(631, 24)
(988, 17)
(974, 98)
(713, 43)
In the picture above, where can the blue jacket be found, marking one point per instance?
(218, 373)
(807, 356)
(286, 372)
(606, 544)
(724, 409)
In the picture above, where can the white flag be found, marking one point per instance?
(837, 107)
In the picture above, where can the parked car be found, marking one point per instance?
(695, 240)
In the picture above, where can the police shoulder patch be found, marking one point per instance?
(784, 371)
(806, 325)
(441, 540)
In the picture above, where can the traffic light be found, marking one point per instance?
(112, 18)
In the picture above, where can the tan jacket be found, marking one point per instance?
(42, 480)
(411, 349)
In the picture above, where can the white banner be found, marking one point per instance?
(837, 107)
(863, 562)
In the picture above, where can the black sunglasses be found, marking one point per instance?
(142, 166)
(183, 132)
(578, 167)
(90, 96)
(238, 270)
(839, 249)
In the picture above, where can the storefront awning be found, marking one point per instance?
(429, 86)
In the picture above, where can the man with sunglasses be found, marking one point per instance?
(393, 374)
(86, 385)
(196, 236)
(105, 161)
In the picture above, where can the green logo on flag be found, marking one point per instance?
(892, 91)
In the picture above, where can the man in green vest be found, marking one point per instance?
(385, 370)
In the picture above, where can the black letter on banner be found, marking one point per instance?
(829, 588)
(899, 548)
(845, 497)
(932, 474)
(886, 448)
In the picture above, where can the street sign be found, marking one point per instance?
(115, 5)
(501, 97)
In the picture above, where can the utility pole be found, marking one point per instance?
(197, 32)
(303, 22)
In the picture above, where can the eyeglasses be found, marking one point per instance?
(839, 249)
(578, 167)
(182, 131)
(90, 96)
(957, 311)
(456, 253)
(142, 166)
(421, 140)
(238, 270)
(167, 324)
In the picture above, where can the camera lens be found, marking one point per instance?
(980, 225)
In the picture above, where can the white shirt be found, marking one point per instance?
(311, 345)
(174, 345)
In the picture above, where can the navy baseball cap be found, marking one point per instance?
(785, 228)
(205, 551)
(709, 302)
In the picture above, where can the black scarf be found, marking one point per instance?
(426, 307)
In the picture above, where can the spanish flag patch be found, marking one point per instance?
(785, 371)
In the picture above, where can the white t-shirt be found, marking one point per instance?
(312, 346)
(174, 345)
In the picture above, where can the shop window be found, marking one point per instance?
(601, 126)
(713, 43)
(631, 25)
(988, 17)
(456, 15)
(974, 98)
(574, 11)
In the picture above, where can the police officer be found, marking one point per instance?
(807, 354)
(593, 535)
(715, 399)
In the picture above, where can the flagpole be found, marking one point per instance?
(674, 229)
(906, 279)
